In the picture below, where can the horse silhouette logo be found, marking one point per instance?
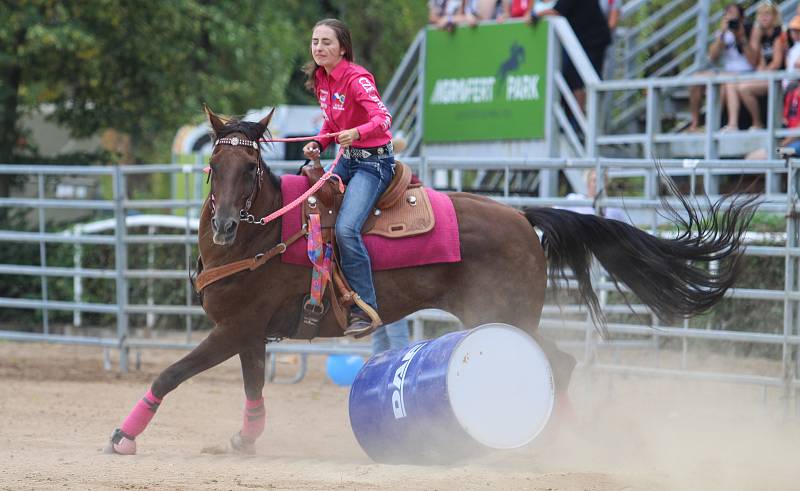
(515, 58)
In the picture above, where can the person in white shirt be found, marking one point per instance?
(731, 47)
(793, 55)
(590, 178)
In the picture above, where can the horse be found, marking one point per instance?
(515, 58)
(502, 275)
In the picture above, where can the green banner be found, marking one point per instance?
(485, 83)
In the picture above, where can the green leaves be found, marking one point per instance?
(144, 68)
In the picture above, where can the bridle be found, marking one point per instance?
(244, 212)
(211, 275)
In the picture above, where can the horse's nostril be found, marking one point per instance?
(214, 224)
(230, 226)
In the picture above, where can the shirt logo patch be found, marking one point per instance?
(338, 101)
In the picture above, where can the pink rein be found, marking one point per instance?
(317, 185)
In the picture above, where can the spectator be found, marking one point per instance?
(447, 14)
(767, 41)
(793, 55)
(591, 29)
(611, 11)
(791, 103)
(512, 9)
(469, 10)
(730, 46)
(390, 336)
(442, 13)
(491, 10)
(590, 178)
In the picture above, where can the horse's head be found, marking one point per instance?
(237, 172)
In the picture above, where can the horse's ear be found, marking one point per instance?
(215, 121)
(265, 122)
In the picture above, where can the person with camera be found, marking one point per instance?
(766, 39)
(732, 48)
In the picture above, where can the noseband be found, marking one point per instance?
(244, 213)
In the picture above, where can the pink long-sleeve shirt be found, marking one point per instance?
(349, 99)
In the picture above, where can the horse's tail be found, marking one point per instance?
(671, 275)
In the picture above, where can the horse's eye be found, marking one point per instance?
(252, 167)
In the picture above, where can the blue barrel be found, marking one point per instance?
(442, 400)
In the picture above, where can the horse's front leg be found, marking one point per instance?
(213, 350)
(252, 359)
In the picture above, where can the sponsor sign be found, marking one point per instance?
(485, 83)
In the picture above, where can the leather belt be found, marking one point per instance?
(363, 153)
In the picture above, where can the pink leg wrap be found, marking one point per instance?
(141, 414)
(254, 417)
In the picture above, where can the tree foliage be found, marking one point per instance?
(144, 68)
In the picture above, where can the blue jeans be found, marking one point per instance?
(390, 336)
(366, 180)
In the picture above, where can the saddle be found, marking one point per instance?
(403, 210)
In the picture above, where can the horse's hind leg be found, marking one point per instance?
(213, 350)
(252, 359)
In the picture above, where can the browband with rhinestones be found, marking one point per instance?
(236, 141)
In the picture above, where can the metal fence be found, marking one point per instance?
(625, 117)
(569, 323)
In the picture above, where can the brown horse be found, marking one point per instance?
(502, 276)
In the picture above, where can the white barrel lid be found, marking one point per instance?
(500, 386)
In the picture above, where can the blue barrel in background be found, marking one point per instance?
(445, 399)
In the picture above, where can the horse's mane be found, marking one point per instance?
(253, 131)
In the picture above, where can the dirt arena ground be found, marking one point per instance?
(58, 407)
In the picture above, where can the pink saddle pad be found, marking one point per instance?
(440, 245)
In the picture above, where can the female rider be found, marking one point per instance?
(352, 106)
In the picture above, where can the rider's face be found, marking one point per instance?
(325, 47)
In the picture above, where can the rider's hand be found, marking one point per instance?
(311, 151)
(347, 137)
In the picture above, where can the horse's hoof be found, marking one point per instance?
(120, 444)
(243, 445)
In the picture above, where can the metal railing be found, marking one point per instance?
(671, 40)
(405, 94)
(587, 139)
(642, 202)
(591, 132)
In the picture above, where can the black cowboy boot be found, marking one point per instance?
(360, 325)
